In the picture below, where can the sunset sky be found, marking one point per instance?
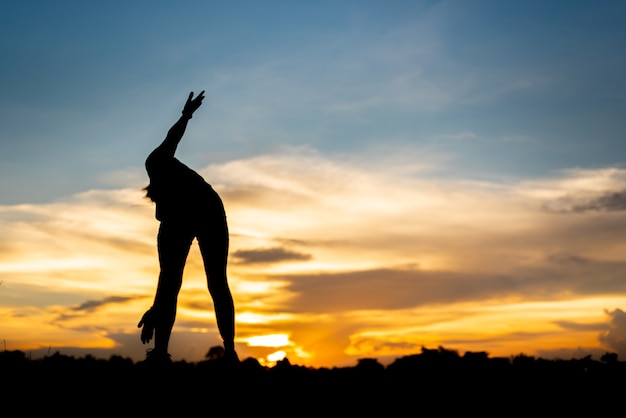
(396, 174)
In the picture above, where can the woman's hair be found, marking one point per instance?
(149, 189)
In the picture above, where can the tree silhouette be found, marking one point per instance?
(215, 353)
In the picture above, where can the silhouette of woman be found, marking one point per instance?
(188, 208)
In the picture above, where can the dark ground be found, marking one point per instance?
(434, 382)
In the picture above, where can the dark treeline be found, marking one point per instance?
(435, 381)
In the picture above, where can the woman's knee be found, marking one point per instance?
(218, 285)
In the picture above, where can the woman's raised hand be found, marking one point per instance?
(193, 104)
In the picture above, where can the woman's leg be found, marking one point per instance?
(173, 242)
(213, 243)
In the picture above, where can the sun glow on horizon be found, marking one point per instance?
(270, 340)
(276, 356)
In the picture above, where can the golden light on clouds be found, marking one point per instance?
(332, 260)
(268, 340)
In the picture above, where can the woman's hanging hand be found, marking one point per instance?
(148, 323)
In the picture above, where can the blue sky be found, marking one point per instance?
(498, 88)
(396, 174)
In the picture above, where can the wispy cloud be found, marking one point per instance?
(268, 255)
(612, 201)
(92, 305)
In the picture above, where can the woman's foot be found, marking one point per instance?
(156, 358)
(230, 357)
